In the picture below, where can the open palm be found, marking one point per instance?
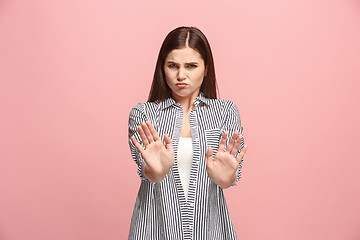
(222, 168)
(159, 158)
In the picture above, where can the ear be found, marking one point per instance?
(205, 71)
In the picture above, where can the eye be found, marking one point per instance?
(192, 66)
(172, 65)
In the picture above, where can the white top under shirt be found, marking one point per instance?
(184, 161)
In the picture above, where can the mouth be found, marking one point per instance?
(181, 85)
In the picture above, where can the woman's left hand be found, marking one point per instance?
(222, 168)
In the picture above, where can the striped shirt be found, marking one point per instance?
(161, 210)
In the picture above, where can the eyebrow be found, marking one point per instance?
(171, 61)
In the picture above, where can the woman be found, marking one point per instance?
(184, 173)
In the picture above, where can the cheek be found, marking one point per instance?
(169, 79)
(168, 75)
(199, 77)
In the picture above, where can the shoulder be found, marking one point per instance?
(222, 105)
(144, 107)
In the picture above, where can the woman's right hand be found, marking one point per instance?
(159, 158)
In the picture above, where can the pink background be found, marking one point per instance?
(70, 72)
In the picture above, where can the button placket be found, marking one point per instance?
(194, 173)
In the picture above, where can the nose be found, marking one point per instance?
(181, 75)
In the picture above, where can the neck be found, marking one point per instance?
(187, 103)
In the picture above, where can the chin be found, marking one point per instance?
(184, 93)
(181, 94)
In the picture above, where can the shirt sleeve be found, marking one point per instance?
(232, 123)
(136, 117)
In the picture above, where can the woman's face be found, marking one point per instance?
(184, 72)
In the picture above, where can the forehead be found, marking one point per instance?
(184, 55)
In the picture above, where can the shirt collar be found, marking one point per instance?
(170, 101)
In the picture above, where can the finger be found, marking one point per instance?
(232, 141)
(241, 154)
(209, 153)
(168, 142)
(209, 158)
(153, 131)
(223, 141)
(147, 132)
(143, 136)
(137, 144)
(237, 145)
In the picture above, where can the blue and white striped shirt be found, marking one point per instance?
(161, 210)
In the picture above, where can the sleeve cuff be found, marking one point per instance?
(238, 173)
(142, 169)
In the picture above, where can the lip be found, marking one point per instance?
(181, 85)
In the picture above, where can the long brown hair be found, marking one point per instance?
(179, 38)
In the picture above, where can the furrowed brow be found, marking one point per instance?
(171, 61)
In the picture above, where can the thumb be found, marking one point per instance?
(209, 154)
(168, 142)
